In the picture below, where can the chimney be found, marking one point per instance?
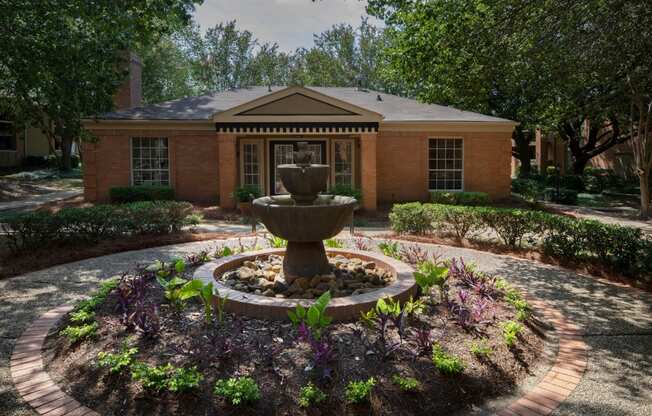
(130, 92)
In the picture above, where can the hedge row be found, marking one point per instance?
(89, 225)
(623, 248)
(125, 194)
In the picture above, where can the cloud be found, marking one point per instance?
(290, 23)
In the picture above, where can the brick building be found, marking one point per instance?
(389, 147)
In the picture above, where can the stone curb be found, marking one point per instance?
(36, 387)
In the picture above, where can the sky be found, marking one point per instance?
(290, 23)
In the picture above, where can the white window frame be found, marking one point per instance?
(261, 162)
(353, 158)
(15, 139)
(131, 159)
(455, 170)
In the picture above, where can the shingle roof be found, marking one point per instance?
(392, 107)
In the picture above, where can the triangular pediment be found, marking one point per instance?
(297, 104)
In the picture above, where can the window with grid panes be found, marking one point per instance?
(149, 161)
(445, 164)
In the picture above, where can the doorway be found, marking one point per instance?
(282, 152)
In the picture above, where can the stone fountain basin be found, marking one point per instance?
(343, 308)
(322, 220)
(304, 180)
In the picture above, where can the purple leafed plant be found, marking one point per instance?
(360, 243)
(195, 259)
(137, 312)
(145, 320)
(423, 340)
(322, 349)
(413, 254)
(470, 312)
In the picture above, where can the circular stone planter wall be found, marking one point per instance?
(401, 288)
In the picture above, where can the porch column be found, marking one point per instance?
(368, 171)
(228, 169)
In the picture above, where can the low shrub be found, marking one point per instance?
(247, 193)
(561, 196)
(511, 330)
(512, 225)
(346, 190)
(238, 391)
(116, 363)
(126, 194)
(529, 189)
(166, 377)
(406, 383)
(571, 182)
(447, 364)
(70, 226)
(459, 198)
(459, 220)
(359, 391)
(310, 395)
(80, 333)
(481, 348)
(411, 218)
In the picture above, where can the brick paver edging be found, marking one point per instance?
(28, 373)
(36, 387)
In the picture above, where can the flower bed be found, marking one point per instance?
(154, 342)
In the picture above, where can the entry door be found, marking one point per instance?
(282, 153)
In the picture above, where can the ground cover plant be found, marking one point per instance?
(154, 352)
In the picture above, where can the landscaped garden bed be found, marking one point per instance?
(154, 342)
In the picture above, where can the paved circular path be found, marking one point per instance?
(616, 321)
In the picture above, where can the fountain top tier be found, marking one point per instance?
(303, 180)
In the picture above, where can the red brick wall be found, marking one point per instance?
(403, 164)
(193, 163)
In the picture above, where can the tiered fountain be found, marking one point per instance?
(305, 218)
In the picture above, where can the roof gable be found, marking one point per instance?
(297, 104)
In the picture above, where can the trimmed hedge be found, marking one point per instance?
(72, 226)
(459, 198)
(126, 194)
(564, 196)
(624, 249)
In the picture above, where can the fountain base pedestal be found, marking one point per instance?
(305, 259)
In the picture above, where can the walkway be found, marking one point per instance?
(617, 321)
(36, 201)
(620, 216)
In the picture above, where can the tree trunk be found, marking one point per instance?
(579, 164)
(644, 181)
(522, 153)
(66, 151)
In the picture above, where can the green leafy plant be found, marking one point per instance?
(459, 198)
(223, 251)
(82, 316)
(315, 316)
(79, 333)
(390, 249)
(116, 363)
(446, 363)
(141, 193)
(411, 218)
(511, 330)
(238, 391)
(481, 348)
(166, 377)
(359, 391)
(172, 288)
(430, 274)
(346, 190)
(414, 307)
(277, 242)
(247, 193)
(310, 395)
(406, 383)
(334, 243)
(213, 304)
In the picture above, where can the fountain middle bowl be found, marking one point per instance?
(321, 220)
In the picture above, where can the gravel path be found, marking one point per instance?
(617, 320)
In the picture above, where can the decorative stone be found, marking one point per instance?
(269, 292)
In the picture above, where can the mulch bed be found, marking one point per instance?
(269, 352)
(17, 264)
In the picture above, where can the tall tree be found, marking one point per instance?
(64, 60)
